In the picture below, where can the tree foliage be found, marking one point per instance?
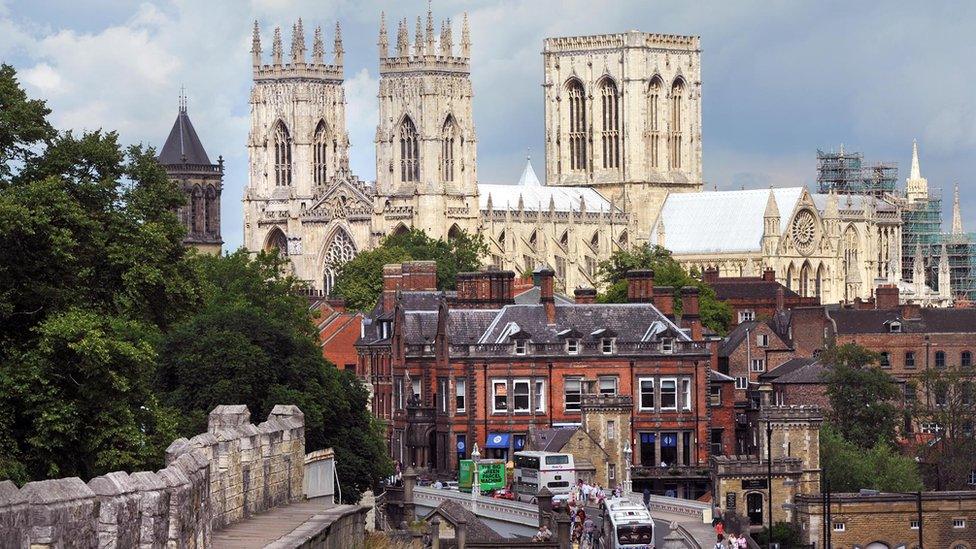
(715, 314)
(850, 467)
(93, 271)
(251, 342)
(360, 280)
(948, 406)
(861, 395)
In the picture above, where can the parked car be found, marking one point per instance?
(504, 493)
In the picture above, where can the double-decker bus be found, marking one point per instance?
(627, 524)
(535, 470)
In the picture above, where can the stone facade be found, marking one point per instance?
(882, 520)
(210, 481)
(623, 114)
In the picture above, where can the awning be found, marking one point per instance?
(497, 440)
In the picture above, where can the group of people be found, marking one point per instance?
(584, 493)
(734, 540)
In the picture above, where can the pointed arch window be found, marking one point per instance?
(320, 150)
(653, 121)
(805, 280)
(197, 203)
(277, 241)
(448, 137)
(611, 122)
(340, 250)
(677, 96)
(577, 125)
(622, 240)
(409, 151)
(282, 155)
(533, 240)
(818, 282)
(595, 240)
(211, 211)
(790, 275)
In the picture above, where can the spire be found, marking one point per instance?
(182, 101)
(418, 41)
(447, 39)
(529, 179)
(772, 210)
(256, 45)
(403, 41)
(465, 38)
(917, 187)
(916, 173)
(276, 47)
(318, 47)
(384, 43)
(337, 46)
(430, 31)
(945, 278)
(298, 43)
(956, 212)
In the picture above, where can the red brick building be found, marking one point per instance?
(754, 297)
(798, 382)
(339, 330)
(449, 372)
(751, 349)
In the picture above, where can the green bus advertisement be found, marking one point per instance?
(492, 473)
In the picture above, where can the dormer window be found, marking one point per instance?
(384, 329)
(667, 345)
(894, 327)
(572, 346)
(607, 345)
(521, 347)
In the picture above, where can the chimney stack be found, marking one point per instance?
(485, 289)
(689, 312)
(780, 297)
(640, 286)
(769, 275)
(710, 276)
(887, 296)
(419, 276)
(585, 296)
(392, 276)
(664, 300)
(546, 280)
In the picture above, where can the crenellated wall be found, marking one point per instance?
(212, 480)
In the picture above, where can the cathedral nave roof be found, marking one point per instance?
(535, 196)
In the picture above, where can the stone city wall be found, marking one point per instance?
(212, 480)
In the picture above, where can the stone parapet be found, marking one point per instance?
(212, 480)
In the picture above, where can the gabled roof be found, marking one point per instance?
(738, 335)
(549, 440)
(535, 196)
(183, 146)
(797, 370)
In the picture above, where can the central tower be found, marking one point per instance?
(623, 115)
(426, 146)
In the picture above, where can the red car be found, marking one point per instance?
(504, 493)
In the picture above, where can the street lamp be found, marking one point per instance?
(628, 483)
(475, 480)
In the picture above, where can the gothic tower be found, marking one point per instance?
(623, 114)
(301, 197)
(426, 145)
(186, 162)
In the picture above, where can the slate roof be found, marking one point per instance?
(183, 145)
(876, 321)
(549, 440)
(453, 511)
(797, 370)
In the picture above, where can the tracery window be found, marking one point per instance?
(282, 155)
(277, 240)
(653, 119)
(677, 93)
(611, 134)
(320, 148)
(196, 209)
(210, 211)
(577, 125)
(447, 149)
(341, 250)
(409, 151)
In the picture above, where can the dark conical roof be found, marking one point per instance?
(183, 145)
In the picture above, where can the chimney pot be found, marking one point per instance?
(640, 286)
(710, 276)
(887, 296)
(585, 295)
(769, 275)
(547, 298)
(664, 300)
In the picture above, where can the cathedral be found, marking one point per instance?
(623, 167)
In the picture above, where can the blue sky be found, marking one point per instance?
(780, 79)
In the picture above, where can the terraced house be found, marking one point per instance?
(452, 370)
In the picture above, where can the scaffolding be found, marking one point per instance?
(921, 228)
(961, 252)
(846, 173)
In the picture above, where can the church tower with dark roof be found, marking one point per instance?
(186, 162)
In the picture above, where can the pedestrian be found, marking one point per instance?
(589, 527)
(743, 542)
(647, 496)
(720, 542)
(720, 528)
(733, 541)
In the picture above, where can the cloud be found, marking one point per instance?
(44, 78)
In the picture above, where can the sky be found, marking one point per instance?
(779, 79)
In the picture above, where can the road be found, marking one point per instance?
(661, 527)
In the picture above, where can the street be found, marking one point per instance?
(661, 527)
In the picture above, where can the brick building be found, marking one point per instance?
(338, 329)
(450, 371)
(798, 382)
(754, 297)
(877, 521)
(751, 349)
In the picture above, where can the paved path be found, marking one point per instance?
(265, 528)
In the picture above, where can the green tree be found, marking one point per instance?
(252, 342)
(861, 395)
(93, 270)
(949, 408)
(360, 281)
(850, 467)
(715, 314)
